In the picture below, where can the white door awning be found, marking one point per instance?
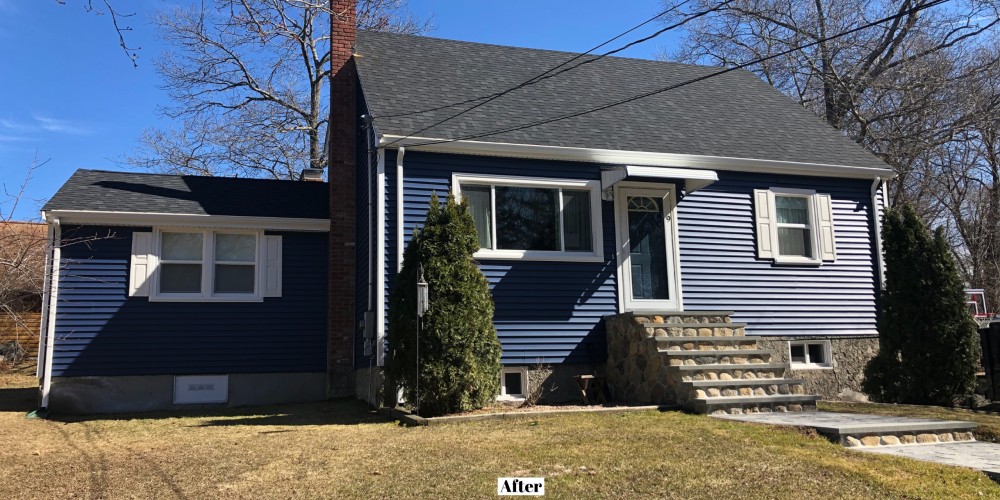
(694, 179)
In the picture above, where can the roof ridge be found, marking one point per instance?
(155, 174)
(567, 53)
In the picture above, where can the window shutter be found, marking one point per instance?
(141, 267)
(764, 222)
(824, 219)
(272, 266)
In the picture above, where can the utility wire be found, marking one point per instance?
(678, 85)
(533, 79)
(546, 75)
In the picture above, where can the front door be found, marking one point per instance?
(647, 249)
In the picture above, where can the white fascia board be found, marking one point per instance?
(187, 220)
(618, 157)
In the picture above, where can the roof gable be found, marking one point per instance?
(732, 115)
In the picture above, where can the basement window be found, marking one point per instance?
(513, 383)
(809, 354)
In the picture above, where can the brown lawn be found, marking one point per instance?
(340, 450)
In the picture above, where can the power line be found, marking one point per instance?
(533, 79)
(678, 85)
(548, 74)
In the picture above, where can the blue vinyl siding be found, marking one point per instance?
(546, 312)
(550, 312)
(720, 271)
(102, 332)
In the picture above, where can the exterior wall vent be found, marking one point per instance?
(194, 389)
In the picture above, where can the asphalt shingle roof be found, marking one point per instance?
(105, 191)
(732, 115)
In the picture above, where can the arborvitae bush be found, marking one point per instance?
(928, 341)
(458, 346)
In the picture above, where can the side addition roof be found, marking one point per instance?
(106, 191)
(734, 115)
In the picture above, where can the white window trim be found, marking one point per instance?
(523, 371)
(808, 365)
(207, 268)
(596, 229)
(813, 227)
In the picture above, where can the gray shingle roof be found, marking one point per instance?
(732, 115)
(105, 191)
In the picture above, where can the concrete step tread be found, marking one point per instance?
(719, 352)
(695, 325)
(777, 398)
(733, 366)
(707, 339)
(842, 424)
(742, 382)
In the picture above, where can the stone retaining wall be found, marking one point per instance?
(840, 382)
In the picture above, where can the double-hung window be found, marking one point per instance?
(207, 265)
(535, 219)
(794, 226)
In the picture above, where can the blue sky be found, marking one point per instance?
(71, 99)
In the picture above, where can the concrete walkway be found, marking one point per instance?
(976, 454)
(856, 430)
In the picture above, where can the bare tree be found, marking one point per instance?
(892, 88)
(22, 267)
(248, 78)
(118, 19)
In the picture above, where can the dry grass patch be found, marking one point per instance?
(340, 450)
(988, 430)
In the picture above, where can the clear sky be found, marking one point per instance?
(71, 99)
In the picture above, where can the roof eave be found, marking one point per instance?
(92, 217)
(618, 157)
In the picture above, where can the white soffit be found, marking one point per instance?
(694, 179)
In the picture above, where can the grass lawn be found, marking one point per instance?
(988, 430)
(340, 450)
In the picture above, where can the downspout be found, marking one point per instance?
(380, 261)
(52, 292)
(399, 208)
(878, 209)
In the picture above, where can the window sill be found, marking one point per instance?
(162, 298)
(810, 366)
(511, 399)
(538, 255)
(800, 261)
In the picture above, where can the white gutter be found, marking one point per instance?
(50, 304)
(191, 220)
(399, 208)
(618, 157)
(877, 212)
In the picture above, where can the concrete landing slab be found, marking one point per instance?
(842, 424)
(976, 455)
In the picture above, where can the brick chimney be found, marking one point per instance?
(342, 141)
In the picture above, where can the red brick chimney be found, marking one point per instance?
(342, 141)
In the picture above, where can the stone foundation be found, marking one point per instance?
(635, 368)
(840, 382)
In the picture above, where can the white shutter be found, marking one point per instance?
(141, 266)
(272, 266)
(824, 219)
(765, 223)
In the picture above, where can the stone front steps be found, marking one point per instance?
(700, 360)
